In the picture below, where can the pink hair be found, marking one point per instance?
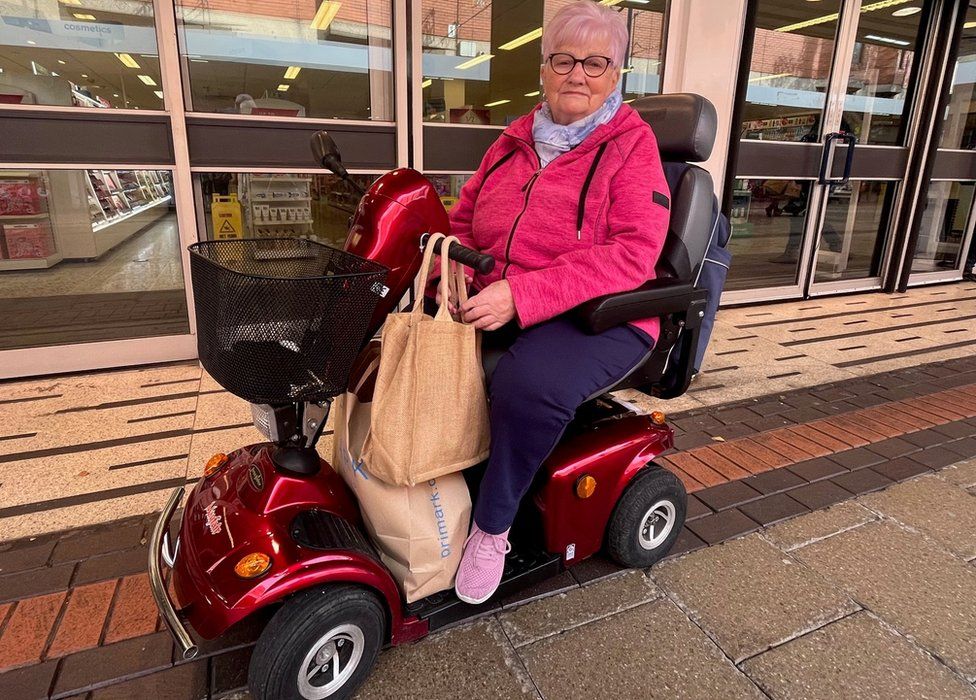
(586, 23)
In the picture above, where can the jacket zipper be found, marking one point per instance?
(586, 188)
(527, 190)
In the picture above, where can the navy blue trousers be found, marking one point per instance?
(548, 371)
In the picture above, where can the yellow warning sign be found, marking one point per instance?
(225, 212)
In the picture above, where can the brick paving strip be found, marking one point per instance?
(77, 619)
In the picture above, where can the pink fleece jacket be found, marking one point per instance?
(592, 222)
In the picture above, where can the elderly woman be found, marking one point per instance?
(572, 203)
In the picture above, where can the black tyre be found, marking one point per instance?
(322, 643)
(647, 519)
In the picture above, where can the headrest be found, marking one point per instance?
(683, 123)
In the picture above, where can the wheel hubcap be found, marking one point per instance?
(657, 524)
(330, 662)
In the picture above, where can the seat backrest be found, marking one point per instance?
(685, 126)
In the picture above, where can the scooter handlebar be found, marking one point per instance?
(466, 256)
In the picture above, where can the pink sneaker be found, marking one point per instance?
(482, 564)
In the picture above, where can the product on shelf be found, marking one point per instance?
(20, 197)
(24, 241)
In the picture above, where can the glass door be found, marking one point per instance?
(945, 248)
(822, 150)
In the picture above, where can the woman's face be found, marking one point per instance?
(576, 95)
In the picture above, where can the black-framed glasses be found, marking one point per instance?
(593, 66)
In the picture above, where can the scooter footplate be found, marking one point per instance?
(522, 569)
(319, 529)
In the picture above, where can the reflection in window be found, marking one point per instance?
(481, 59)
(959, 130)
(83, 53)
(298, 58)
(768, 218)
(270, 205)
(88, 255)
(881, 73)
(853, 230)
(943, 228)
(789, 70)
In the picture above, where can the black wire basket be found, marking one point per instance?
(281, 320)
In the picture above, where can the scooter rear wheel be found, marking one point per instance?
(322, 643)
(648, 518)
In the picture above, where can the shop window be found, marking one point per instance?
(481, 59)
(270, 205)
(88, 255)
(298, 58)
(81, 53)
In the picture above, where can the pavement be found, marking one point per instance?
(828, 551)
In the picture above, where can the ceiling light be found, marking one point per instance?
(906, 11)
(640, 2)
(127, 60)
(610, 3)
(292, 72)
(90, 18)
(84, 75)
(760, 78)
(325, 14)
(887, 40)
(199, 60)
(871, 7)
(532, 94)
(497, 102)
(63, 63)
(147, 80)
(158, 93)
(55, 75)
(283, 87)
(114, 94)
(427, 83)
(32, 42)
(475, 61)
(522, 40)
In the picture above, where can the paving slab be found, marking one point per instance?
(554, 614)
(941, 510)
(908, 581)
(475, 661)
(856, 657)
(962, 474)
(749, 596)
(651, 651)
(818, 525)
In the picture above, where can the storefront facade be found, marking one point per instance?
(133, 128)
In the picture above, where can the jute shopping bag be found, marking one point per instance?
(418, 530)
(430, 410)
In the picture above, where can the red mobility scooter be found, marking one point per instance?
(285, 324)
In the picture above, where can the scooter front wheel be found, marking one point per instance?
(647, 519)
(322, 643)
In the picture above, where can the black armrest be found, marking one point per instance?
(655, 298)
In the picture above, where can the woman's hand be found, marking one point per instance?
(452, 302)
(491, 308)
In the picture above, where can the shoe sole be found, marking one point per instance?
(473, 601)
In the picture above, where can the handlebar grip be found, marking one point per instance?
(466, 256)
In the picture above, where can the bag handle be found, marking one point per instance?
(422, 276)
(452, 277)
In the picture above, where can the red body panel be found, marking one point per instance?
(228, 516)
(612, 452)
(397, 210)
